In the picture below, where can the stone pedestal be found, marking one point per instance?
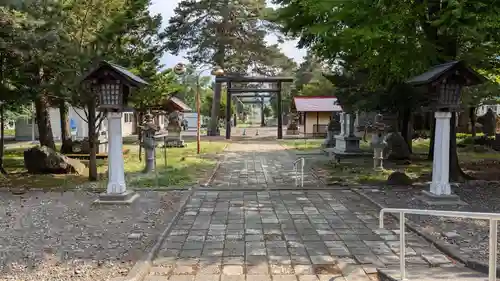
(440, 184)
(174, 139)
(440, 189)
(116, 192)
(378, 158)
(346, 142)
(329, 140)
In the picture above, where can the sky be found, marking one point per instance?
(166, 9)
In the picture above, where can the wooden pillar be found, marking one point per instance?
(280, 113)
(262, 117)
(228, 111)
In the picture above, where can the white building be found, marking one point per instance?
(484, 108)
(79, 127)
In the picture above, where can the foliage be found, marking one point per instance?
(189, 81)
(267, 111)
(206, 105)
(382, 39)
(161, 86)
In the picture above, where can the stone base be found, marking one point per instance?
(432, 199)
(292, 132)
(328, 144)
(347, 145)
(175, 143)
(126, 198)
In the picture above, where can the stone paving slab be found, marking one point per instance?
(282, 235)
(258, 165)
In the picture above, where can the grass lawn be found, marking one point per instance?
(482, 165)
(302, 144)
(184, 166)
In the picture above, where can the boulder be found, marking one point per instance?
(399, 178)
(397, 148)
(488, 122)
(44, 160)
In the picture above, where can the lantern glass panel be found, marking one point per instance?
(449, 93)
(110, 95)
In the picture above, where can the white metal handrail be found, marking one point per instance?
(296, 171)
(492, 217)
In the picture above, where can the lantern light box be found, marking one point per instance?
(113, 85)
(444, 84)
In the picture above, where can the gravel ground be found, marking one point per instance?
(62, 236)
(470, 237)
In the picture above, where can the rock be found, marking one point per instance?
(44, 160)
(135, 236)
(81, 147)
(489, 122)
(397, 148)
(450, 235)
(399, 178)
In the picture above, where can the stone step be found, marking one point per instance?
(453, 273)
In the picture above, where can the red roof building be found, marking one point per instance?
(316, 113)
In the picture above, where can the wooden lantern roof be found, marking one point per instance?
(117, 71)
(440, 72)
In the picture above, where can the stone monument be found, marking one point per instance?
(174, 138)
(346, 142)
(332, 130)
(378, 142)
(149, 129)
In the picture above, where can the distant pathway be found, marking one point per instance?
(258, 164)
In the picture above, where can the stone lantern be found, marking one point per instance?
(378, 142)
(149, 129)
(112, 85)
(443, 83)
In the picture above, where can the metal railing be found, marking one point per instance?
(492, 217)
(296, 171)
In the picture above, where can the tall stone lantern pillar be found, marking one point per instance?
(149, 130)
(112, 86)
(378, 142)
(443, 83)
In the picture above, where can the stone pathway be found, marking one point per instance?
(258, 164)
(285, 235)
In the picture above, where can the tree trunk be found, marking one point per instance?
(472, 117)
(67, 143)
(430, 155)
(219, 59)
(2, 136)
(91, 107)
(45, 135)
(405, 128)
(456, 173)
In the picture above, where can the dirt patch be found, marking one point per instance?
(62, 236)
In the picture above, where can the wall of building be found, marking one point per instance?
(24, 125)
(313, 118)
(484, 108)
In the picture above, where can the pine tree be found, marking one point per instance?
(227, 33)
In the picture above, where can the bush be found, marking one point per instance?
(464, 135)
(479, 140)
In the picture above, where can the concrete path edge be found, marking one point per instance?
(470, 263)
(217, 166)
(141, 267)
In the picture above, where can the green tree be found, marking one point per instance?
(393, 41)
(227, 33)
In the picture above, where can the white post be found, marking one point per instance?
(116, 170)
(440, 184)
